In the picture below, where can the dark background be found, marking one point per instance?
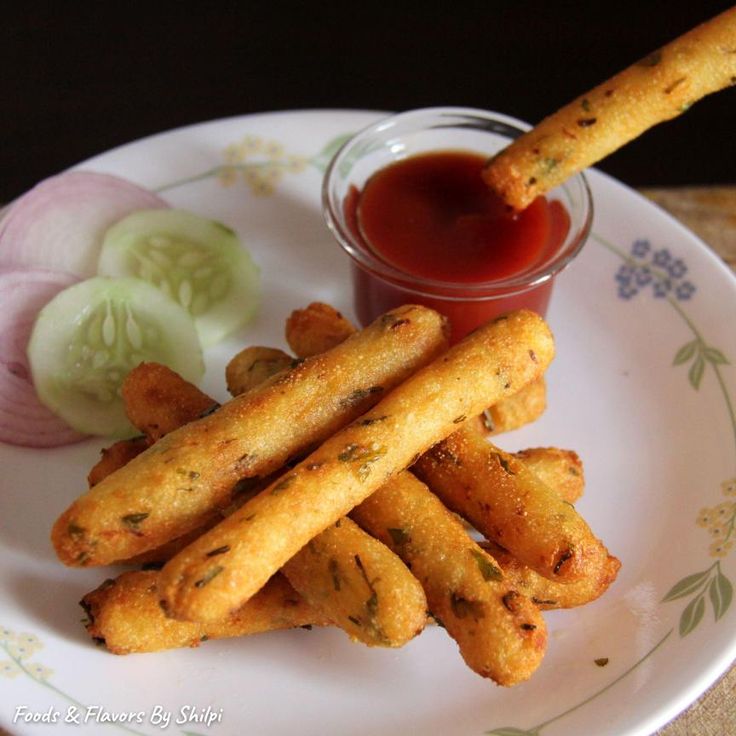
(79, 78)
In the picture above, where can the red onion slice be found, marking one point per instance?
(23, 419)
(59, 224)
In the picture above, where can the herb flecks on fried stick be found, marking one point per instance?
(319, 327)
(124, 615)
(561, 470)
(499, 631)
(170, 488)
(550, 594)
(352, 579)
(659, 87)
(508, 503)
(360, 584)
(501, 357)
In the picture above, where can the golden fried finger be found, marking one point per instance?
(508, 504)
(354, 580)
(561, 470)
(523, 407)
(482, 643)
(124, 615)
(252, 366)
(499, 631)
(157, 400)
(547, 593)
(501, 357)
(150, 388)
(169, 489)
(320, 327)
(156, 557)
(656, 88)
(114, 457)
(316, 329)
(360, 585)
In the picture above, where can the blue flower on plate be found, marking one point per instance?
(684, 290)
(662, 258)
(626, 278)
(661, 288)
(641, 248)
(677, 268)
(656, 268)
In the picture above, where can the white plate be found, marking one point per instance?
(653, 420)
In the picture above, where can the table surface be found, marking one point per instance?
(710, 212)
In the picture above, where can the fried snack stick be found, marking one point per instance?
(155, 404)
(252, 366)
(493, 362)
(343, 572)
(354, 580)
(147, 389)
(118, 454)
(360, 585)
(510, 505)
(548, 594)
(657, 88)
(561, 470)
(124, 615)
(128, 616)
(315, 329)
(522, 408)
(169, 489)
(499, 631)
(319, 327)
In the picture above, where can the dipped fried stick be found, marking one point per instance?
(659, 87)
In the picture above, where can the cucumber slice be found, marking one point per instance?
(200, 263)
(89, 336)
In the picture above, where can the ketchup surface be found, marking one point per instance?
(432, 216)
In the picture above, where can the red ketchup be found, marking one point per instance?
(433, 219)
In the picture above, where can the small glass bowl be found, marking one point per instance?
(379, 286)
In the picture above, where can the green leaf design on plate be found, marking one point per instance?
(720, 591)
(686, 586)
(686, 352)
(323, 158)
(715, 356)
(510, 731)
(712, 581)
(700, 354)
(695, 374)
(692, 615)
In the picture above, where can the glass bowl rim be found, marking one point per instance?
(436, 288)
